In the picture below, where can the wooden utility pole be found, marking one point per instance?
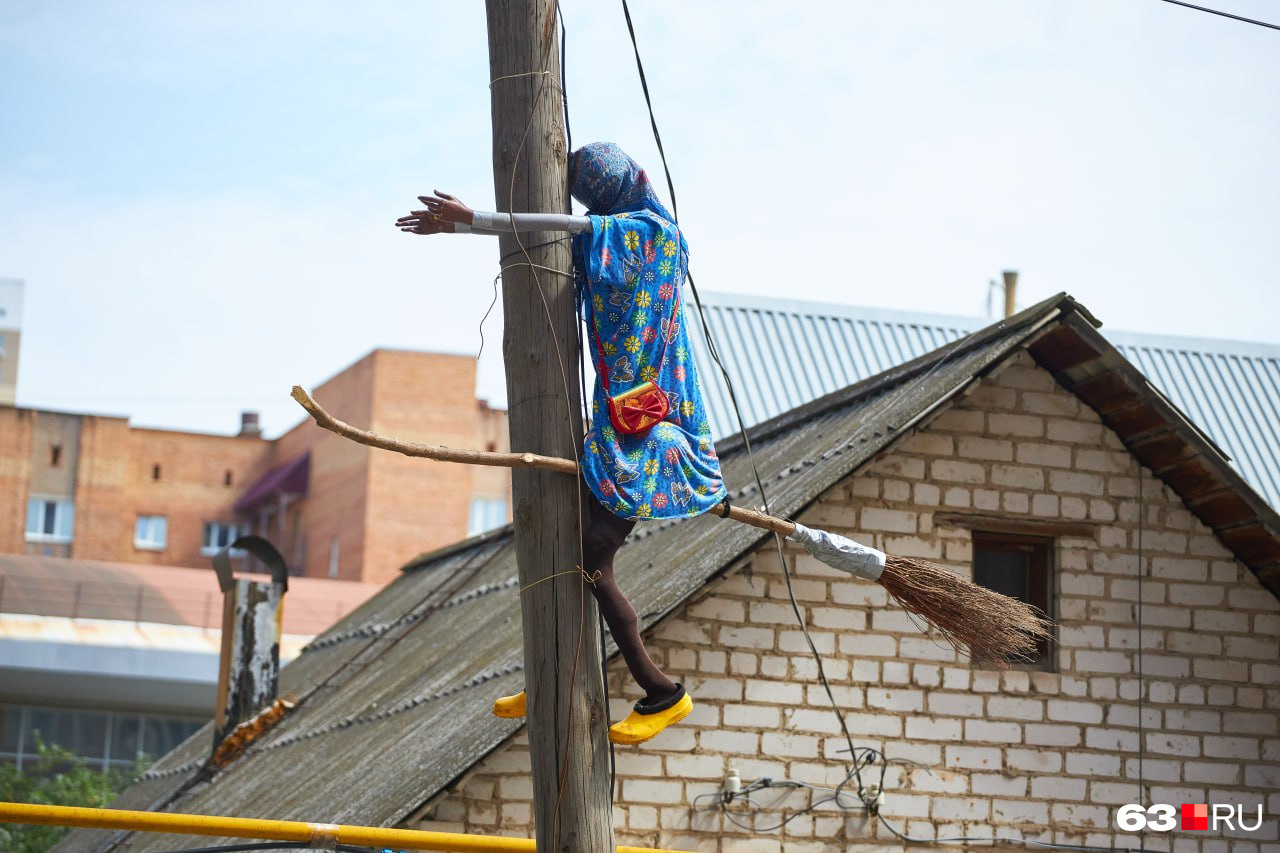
(572, 809)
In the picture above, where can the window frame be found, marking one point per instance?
(23, 749)
(150, 542)
(485, 514)
(236, 528)
(60, 506)
(1041, 586)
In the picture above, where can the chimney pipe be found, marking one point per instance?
(1010, 292)
(249, 663)
(249, 425)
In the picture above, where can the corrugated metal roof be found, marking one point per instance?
(782, 353)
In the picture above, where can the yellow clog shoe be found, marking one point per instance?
(512, 707)
(648, 721)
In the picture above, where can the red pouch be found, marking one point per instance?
(635, 411)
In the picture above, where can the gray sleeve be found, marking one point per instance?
(841, 553)
(493, 223)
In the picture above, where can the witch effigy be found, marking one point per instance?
(648, 453)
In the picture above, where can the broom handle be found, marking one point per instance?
(758, 519)
(501, 460)
(429, 451)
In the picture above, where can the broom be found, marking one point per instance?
(989, 625)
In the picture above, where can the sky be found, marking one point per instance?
(200, 196)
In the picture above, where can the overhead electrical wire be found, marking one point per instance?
(1224, 14)
(867, 799)
(1009, 839)
(856, 773)
(723, 800)
(1142, 686)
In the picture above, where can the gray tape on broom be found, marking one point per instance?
(841, 553)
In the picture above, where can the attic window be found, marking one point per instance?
(155, 471)
(1020, 567)
(55, 455)
(226, 478)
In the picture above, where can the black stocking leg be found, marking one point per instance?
(601, 539)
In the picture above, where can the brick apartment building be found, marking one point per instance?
(93, 487)
(1030, 450)
(10, 337)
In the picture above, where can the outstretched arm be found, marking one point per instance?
(445, 214)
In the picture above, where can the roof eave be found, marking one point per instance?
(1166, 441)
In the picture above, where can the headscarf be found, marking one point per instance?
(607, 181)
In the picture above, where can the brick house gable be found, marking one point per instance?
(1047, 755)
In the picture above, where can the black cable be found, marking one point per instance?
(1223, 14)
(871, 756)
(1004, 839)
(712, 350)
(1142, 688)
(733, 399)
(724, 800)
(564, 78)
(653, 122)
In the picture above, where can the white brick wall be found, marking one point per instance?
(1039, 755)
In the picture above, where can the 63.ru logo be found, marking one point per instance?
(1195, 816)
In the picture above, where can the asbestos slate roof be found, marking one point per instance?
(1228, 388)
(394, 700)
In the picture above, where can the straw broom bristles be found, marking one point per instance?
(993, 627)
(989, 625)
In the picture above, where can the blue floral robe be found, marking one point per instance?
(632, 270)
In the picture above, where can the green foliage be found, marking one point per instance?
(58, 778)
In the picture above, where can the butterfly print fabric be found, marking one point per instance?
(630, 268)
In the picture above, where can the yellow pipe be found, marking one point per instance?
(272, 830)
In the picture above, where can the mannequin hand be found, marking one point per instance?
(423, 222)
(447, 208)
(442, 211)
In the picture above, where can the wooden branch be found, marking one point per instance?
(440, 453)
(759, 519)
